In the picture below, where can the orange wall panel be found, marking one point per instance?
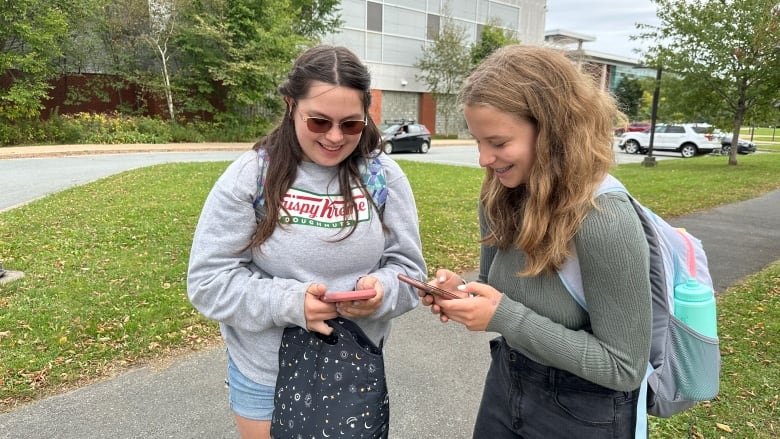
(428, 112)
(375, 110)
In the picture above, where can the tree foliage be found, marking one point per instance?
(224, 58)
(724, 53)
(491, 38)
(240, 49)
(31, 42)
(313, 19)
(444, 65)
(629, 96)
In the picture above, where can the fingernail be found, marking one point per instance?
(442, 279)
(462, 287)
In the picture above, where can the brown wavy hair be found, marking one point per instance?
(334, 65)
(574, 124)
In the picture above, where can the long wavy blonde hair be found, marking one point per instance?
(574, 122)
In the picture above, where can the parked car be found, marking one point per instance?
(403, 135)
(687, 139)
(632, 127)
(744, 146)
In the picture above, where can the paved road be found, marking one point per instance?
(25, 179)
(467, 155)
(435, 371)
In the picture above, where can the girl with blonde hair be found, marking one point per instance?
(544, 133)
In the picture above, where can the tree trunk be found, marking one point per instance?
(167, 80)
(739, 118)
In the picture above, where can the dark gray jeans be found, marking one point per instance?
(523, 399)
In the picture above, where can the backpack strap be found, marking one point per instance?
(372, 176)
(374, 180)
(570, 271)
(571, 277)
(259, 202)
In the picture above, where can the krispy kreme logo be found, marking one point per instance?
(328, 211)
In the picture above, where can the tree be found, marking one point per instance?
(124, 27)
(31, 38)
(445, 64)
(240, 50)
(491, 38)
(729, 49)
(629, 96)
(83, 49)
(316, 18)
(162, 20)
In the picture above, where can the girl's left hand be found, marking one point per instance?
(366, 307)
(473, 312)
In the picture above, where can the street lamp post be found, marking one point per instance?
(649, 161)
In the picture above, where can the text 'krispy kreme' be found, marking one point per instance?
(302, 204)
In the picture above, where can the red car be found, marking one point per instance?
(633, 126)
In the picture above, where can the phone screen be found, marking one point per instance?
(428, 288)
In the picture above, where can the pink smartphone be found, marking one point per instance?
(428, 288)
(343, 296)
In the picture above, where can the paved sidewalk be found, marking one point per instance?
(435, 371)
(18, 152)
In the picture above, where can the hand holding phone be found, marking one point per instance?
(343, 296)
(428, 288)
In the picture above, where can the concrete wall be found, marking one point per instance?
(400, 105)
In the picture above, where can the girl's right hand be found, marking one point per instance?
(316, 311)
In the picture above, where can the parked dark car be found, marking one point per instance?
(404, 135)
(744, 146)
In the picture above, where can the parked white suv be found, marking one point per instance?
(687, 139)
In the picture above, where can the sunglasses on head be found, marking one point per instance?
(321, 125)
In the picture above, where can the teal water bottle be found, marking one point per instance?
(694, 304)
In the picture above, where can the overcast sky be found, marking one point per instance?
(611, 22)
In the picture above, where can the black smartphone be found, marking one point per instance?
(428, 288)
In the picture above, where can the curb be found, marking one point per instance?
(18, 152)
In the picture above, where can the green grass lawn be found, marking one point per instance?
(105, 267)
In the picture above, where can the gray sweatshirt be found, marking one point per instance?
(610, 345)
(255, 294)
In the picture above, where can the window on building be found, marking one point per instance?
(374, 17)
(433, 26)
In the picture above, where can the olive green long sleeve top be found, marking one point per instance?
(610, 344)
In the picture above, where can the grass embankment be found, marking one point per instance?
(105, 268)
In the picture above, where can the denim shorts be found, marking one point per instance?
(249, 399)
(525, 399)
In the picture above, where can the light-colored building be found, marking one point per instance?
(389, 37)
(607, 69)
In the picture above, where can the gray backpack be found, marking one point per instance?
(684, 364)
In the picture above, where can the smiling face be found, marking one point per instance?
(506, 144)
(336, 104)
